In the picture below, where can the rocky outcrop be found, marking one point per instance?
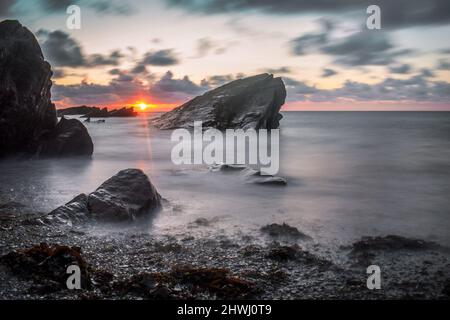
(26, 111)
(252, 102)
(27, 115)
(124, 112)
(70, 138)
(126, 196)
(75, 111)
(95, 112)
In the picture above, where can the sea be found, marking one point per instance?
(349, 174)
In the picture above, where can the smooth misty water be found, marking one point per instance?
(349, 175)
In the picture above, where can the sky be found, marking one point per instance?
(165, 52)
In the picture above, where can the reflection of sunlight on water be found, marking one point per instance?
(349, 175)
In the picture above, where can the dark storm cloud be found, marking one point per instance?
(398, 13)
(58, 73)
(444, 51)
(126, 86)
(364, 48)
(358, 49)
(100, 6)
(122, 87)
(139, 68)
(427, 73)
(165, 57)
(110, 7)
(60, 49)
(6, 7)
(112, 59)
(415, 88)
(168, 84)
(204, 46)
(64, 51)
(280, 70)
(307, 42)
(443, 64)
(58, 5)
(328, 73)
(400, 69)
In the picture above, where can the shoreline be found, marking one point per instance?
(121, 263)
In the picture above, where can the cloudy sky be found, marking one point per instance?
(164, 52)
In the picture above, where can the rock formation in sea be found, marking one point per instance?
(95, 112)
(79, 110)
(126, 196)
(27, 116)
(123, 112)
(248, 174)
(252, 102)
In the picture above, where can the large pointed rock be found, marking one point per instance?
(28, 121)
(252, 102)
(26, 111)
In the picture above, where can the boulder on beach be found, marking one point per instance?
(252, 102)
(71, 138)
(126, 196)
(27, 115)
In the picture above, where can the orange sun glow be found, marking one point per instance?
(142, 106)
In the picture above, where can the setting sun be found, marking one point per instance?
(142, 106)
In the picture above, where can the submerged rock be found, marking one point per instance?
(27, 115)
(222, 167)
(254, 176)
(126, 196)
(249, 175)
(252, 102)
(283, 230)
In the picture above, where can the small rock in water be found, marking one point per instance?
(282, 230)
(249, 175)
